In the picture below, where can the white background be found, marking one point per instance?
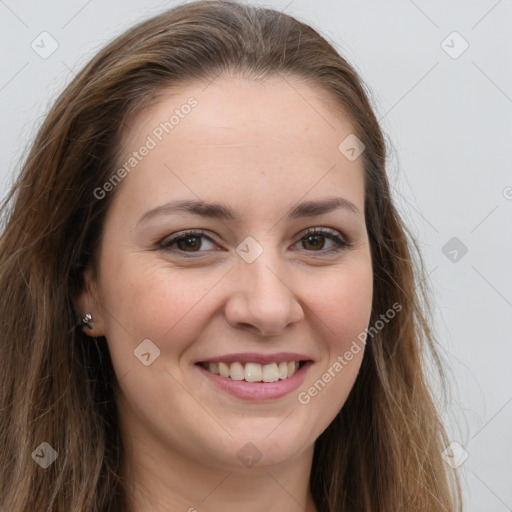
(449, 125)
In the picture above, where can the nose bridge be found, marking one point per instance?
(265, 278)
(262, 295)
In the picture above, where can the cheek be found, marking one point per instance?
(144, 299)
(343, 304)
(148, 303)
(343, 312)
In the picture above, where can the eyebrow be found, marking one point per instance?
(225, 212)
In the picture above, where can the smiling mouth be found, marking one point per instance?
(254, 372)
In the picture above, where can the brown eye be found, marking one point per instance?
(314, 241)
(186, 242)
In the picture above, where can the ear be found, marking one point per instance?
(88, 301)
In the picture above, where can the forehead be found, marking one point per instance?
(284, 104)
(241, 137)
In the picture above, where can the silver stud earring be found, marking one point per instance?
(87, 321)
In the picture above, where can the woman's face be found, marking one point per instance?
(252, 290)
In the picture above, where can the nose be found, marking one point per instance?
(262, 300)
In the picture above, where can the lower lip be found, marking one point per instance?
(258, 390)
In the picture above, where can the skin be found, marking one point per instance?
(260, 147)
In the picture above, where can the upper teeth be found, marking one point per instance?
(254, 372)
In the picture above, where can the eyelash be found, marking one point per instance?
(166, 243)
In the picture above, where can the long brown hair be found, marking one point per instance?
(383, 450)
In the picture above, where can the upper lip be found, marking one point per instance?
(254, 357)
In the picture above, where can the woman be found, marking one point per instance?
(211, 301)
